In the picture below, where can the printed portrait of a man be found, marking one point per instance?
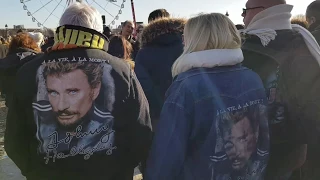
(240, 130)
(242, 146)
(72, 89)
(70, 109)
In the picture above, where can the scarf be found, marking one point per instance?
(265, 24)
(207, 59)
(70, 37)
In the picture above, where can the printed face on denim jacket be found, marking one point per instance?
(240, 136)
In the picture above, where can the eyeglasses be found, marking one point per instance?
(244, 10)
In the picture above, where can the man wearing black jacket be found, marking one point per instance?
(281, 54)
(78, 112)
(311, 169)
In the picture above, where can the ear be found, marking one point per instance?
(96, 91)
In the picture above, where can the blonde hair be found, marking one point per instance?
(208, 31)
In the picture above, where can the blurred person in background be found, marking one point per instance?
(126, 32)
(37, 37)
(161, 44)
(21, 50)
(124, 52)
(9, 38)
(3, 50)
(311, 169)
(107, 32)
(3, 41)
(21, 30)
(158, 13)
(49, 34)
(313, 18)
(116, 44)
(139, 33)
(210, 129)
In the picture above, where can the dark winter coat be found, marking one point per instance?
(112, 130)
(116, 47)
(161, 45)
(312, 166)
(9, 67)
(291, 76)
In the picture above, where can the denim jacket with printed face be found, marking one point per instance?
(213, 125)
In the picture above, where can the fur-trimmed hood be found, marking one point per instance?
(160, 27)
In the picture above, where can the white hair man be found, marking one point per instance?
(88, 115)
(81, 14)
(287, 59)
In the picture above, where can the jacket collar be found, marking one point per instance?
(161, 27)
(265, 23)
(207, 59)
(22, 50)
(70, 37)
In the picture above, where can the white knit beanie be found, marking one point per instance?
(37, 37)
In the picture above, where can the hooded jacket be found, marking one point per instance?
(213, 124)
(78, 112)
(161, 45)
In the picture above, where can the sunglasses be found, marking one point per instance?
(244, 10)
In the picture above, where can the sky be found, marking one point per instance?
(13, 13)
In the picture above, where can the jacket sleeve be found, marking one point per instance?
(17, 136)
(303, 86)
(169, 146)
(140, 126)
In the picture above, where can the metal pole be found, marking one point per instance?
(134, 18)
(6, 26)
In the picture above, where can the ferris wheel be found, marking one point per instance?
(46, 13)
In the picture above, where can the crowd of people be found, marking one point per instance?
(189, 99)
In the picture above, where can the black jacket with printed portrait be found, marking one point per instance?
(118, 119)
(291, 78)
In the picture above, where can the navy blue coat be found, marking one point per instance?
(161, 45)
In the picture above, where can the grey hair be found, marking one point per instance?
(49, 32)
(81, 14)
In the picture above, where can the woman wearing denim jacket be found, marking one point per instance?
(213, 124)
